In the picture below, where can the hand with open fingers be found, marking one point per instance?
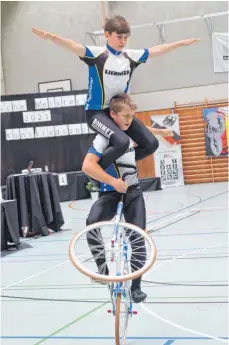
(41, 33)
(190, 41)
(167, 132)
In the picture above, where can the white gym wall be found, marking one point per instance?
(184, 75)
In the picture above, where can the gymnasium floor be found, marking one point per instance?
(46, 300)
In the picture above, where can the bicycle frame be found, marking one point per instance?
(117, 237)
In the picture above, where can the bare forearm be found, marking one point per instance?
(165, 48)
(103, 11)
(67, 43)
(97, 173)
(155, 131)
(163, 132)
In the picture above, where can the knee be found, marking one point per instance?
(152, 145)
(91, 219)
(123, 145)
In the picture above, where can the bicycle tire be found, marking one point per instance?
(97, 276)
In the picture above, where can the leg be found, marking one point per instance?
(147, 142)
(135, 213)
(101, 122)
(103, 209)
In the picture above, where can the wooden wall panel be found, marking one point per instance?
(196, 166)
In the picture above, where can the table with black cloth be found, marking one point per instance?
(150, 184)
(75, 188)
(9, 224)
(38, 202)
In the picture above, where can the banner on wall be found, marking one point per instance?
(167, 158)
(48, 128)
(220, 51)
(216, 131)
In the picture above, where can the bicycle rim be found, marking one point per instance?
(83, 259)
(121, 320)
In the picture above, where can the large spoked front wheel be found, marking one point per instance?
(95, 243)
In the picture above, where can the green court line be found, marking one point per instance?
(71, 323)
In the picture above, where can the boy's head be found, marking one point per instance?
(122, 110)
(117, 32)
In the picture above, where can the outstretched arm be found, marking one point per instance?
(165, 48)
(103, 11)
(77, 48)
(164, 132)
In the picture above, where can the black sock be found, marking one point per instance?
(105, 270)
(136, 284)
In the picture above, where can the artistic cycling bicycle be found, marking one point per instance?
(120, 245)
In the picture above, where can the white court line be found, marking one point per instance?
(183, 255)
(181, 327)
(37, 274)
(34, 275)
(168, 219)
(206, 209)
(170, 322)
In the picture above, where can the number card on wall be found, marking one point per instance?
(62, 178)
(37, 116)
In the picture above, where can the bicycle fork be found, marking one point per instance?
(118, 237)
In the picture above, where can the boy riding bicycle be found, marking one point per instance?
(122, 111)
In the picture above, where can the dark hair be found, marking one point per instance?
(117, 24)
(119, 101)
